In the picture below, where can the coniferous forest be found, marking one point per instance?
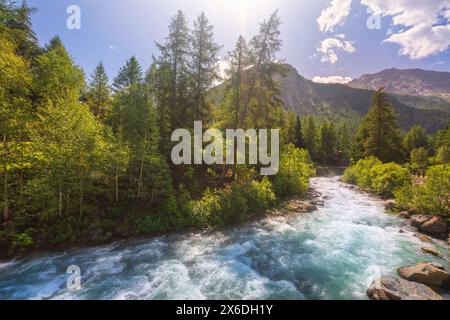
(85, 159)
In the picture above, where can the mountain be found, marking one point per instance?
(333, 101)
(412, 82)
(305, 97)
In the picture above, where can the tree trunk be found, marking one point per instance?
(60, 205)
(117, 181)
(81, 198)
(5, 186)
(142, 169)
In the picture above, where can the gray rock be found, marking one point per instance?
(392, 288)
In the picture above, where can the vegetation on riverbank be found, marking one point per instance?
(84, 162)
(420, 182)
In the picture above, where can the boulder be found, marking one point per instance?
(390, 205)
(429, 224)
(392, 288)
(418, 220)
(432, 274)
(432, 251)
(436, 225)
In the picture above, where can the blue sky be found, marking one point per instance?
(322, 38)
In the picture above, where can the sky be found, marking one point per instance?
(325, 40)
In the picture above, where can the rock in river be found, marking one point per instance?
(392, 288)
(429, 224)
(432, 251)
(431, 274)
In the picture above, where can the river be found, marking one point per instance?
(332, 253)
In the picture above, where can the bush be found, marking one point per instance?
(295, 170)
(387, 178)
(360, 172)
(260, 195)
(433, 196)
(22, 241)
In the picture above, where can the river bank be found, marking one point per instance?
(335, 252)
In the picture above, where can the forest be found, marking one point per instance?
(86, 159)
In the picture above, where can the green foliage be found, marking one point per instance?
(360, 172)
(22, 241)
(415, 138)
(432, 196)
(295, 170)
(387, 178)
(419, 160)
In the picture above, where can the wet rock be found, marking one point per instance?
(390, 205)
(429, 224)
(392, 288)
(300, 206)
(404, 214)
(436, 225)
(432, 251)
(428, 273)
(423, 238)
(418, 220)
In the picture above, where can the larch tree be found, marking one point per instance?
(383, 134)
(203, 65)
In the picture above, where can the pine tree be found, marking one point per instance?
(129, 74)
(383, 135)
(298, 133)
(203, 65)
(98, 94)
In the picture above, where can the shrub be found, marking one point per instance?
(260, 195)
(386, 178)
(22, 240)
(432, 197)
(360, 172)
(295, 170)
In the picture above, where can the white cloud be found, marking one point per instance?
(328, 48)
(332, 79)
(334, 15)
(422, 40)
(113, 48)
(426, 34)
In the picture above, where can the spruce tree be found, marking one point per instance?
(98, 94)
(129, 74)
(383, 135)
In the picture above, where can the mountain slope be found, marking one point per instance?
(305, 97)
(414, 82)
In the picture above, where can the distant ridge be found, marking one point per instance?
(416, 82)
